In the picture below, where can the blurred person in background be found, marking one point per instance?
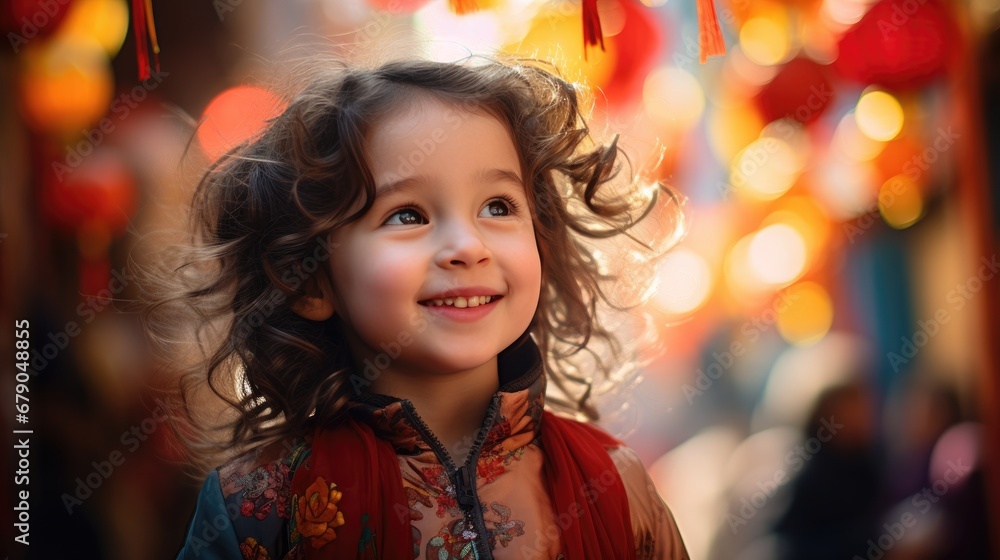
(834, 500)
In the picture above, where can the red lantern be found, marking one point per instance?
(800, 91)
(899, 44)
(93, 198)
(22, 21)
(637, 46)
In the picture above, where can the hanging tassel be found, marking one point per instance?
(592, 34)
(139, 27)
(710, 42)
(142, 23)
(462, 7)
(152, 35)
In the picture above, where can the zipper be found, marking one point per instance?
(463, 478)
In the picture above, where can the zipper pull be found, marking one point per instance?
(464, 489)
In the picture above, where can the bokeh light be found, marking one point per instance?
(66, 86)
(740, 277)
(806, 217)
(613, 17)
(846, 188)
(731, 127)
(234, 116)
(765, 260)
(685, 281)
(844, 13)
(777, 254)
(879, 115)
(673, 98)
(765, 169)
(818, 41)
(451, 33)
(105, 21)
(808, 316)
(765, 41)
(900, 202)
(851, 142)
(746, 72)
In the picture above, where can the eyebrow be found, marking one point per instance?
(400, 184)
(499, 176)
(483, 176)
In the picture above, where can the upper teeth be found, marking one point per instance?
(460, 301)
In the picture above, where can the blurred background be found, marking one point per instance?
(825, 379)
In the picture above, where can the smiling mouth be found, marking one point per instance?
(460, 301)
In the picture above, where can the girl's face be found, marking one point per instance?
(450, 229)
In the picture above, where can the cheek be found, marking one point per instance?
(375, 275)
(527, 266)
(532, 272)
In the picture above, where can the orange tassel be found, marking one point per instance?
(462, 7)
(152, 34)
(142, 23)
(710, 41)
(592, 34)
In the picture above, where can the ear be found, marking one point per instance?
(317, 303)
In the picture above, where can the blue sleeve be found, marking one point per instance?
(211, 535)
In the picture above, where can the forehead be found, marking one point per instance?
(425, 125)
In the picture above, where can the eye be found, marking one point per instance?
(500, 207)
(405, 217)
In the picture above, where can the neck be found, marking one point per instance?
(453, 405)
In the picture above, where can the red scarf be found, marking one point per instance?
(349, 502)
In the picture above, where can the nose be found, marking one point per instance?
(461, 244)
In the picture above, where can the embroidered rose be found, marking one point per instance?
(317, 513)
(252, 550)
(247, 508)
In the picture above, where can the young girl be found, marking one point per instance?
(402, 262)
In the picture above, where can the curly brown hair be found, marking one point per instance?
(264, 212)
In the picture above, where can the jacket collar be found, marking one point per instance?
(519, 401)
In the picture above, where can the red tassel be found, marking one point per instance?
(710, 42)
(142, 23)
(592, 34)
(139, 27)
(462, 7)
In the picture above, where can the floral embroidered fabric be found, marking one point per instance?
(249, 507)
